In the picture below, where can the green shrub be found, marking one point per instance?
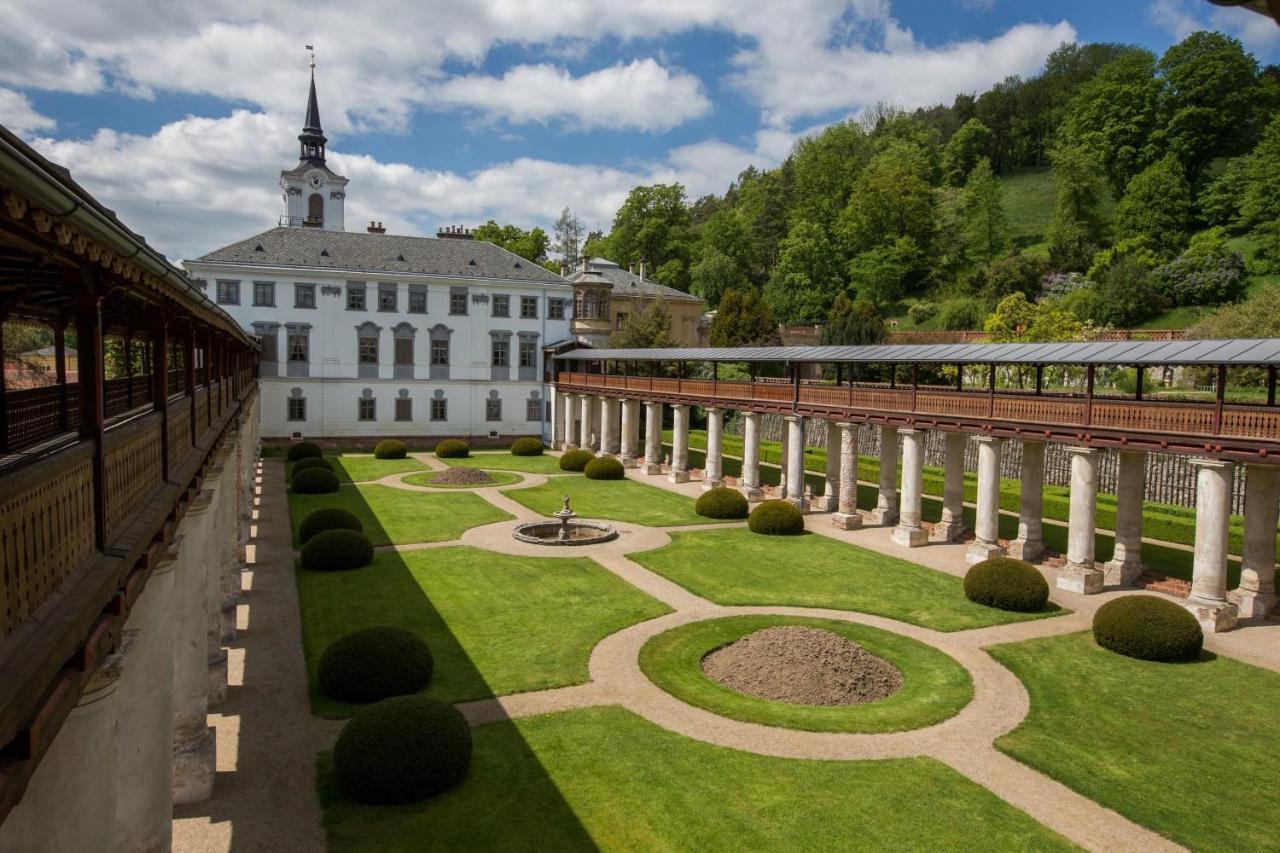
(336, 551)
(1148, 628)
(962, 314)
(330, 518)
(453, 448)
(575, 460)
(721, 502)
(922, 311)
(302, 450)
(314, 481)
(526, 446)
(604, 468)
(402, 750)
(1007, 584)
(390, 448)
(310, 462)
(776, 518)
(375, 663)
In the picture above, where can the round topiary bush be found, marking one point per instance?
(314, 481)
(604, 468)
(330, 518)
(401, 750)
(373, 664)
(1006, 583)
(302, 450)
(453, 448)
(527, 446)
(1148, 628)
(336, 551)
(721, 502)
(776, 518)
(575, 460)
(390, 448)
(311, 462)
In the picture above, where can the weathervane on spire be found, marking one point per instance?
(313, 58)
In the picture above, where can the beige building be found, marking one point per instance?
(605, 296)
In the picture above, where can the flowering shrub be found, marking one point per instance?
(1201, 279)
(1058, 284)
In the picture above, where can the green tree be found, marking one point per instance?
(807, 276)
(743, 319)
(1008, 274)
(1018, 320)
(881, 274)
(825, 167)
(645, 329)
(715, 274)
(892, 198)
(982, 206)
(1260, 201)
(762, 200)
(653, 224)
(531, 245)
(963, 150)
(568, 233)
(726, 232)
(1076, 228)
(852, 323)
(1114, 115)
(1127, 293)
(1157, 206)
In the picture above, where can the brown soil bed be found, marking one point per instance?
(802, 666)
(463, 477)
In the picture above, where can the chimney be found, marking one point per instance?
(454, 232)
(375, 228)
(632, 268)
(642, 269)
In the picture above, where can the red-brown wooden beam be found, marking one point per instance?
(90, 377)
(160, 386)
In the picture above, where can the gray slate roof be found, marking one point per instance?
(1234, 351)
(359, 251)
(628, 284)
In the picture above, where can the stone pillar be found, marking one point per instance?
(782, 462)
(1131, 489)
(750, 487)
(1080, 573)
(713, 469)
(679, 445)
(951, 527)
(986, 534)
(830, 501)
(794, 462)
(569, 411)
(1030, 542)
(886, 511)
(630, 432)
(1256, 595)
(909, 532)
(558, 431)
(584, 421)
(609, 443)
(597, 424)
(193, 738)
(1208, 601)
(847, 516)
(653, 438)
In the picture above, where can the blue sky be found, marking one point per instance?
(181, 116)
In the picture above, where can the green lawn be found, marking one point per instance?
(605, 779)
(427, 478)
(934, 688)
(495, 624)
(1184, 749)
(359, 469)
(507, 462)
(397, 517)
(738, 567)
(617, 500)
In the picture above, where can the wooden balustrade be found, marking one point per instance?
(35, 414)
(202, 410)
(179, 430)
(131, 467)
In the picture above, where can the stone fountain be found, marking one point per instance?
(565, 530)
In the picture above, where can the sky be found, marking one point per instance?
(180, 114)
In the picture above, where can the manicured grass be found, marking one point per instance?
(1184, 749)
(397, 517)
(506, 462)
(934, 688)
(427, 478)
(735, 566)
(617, 500)
(605, 779)
(495, 623)
(359, 469)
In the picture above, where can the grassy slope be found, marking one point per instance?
(396, 517)
(618, 500)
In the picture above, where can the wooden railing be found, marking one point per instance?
(132, 467)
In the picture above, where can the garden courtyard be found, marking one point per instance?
(594, 724)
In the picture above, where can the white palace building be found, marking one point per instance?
(372, 335)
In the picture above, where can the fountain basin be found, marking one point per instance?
(564, 532)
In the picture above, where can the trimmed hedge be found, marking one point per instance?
(721, 502)
(375, 663)
(390, 448)
(311, 462)
(776, 518)
(575, 460)
(314, 481)
(604, 468)
(453, 448)
(302, 450)
(402, 750)
(1006, 584)
(526, 446)
(1148, 628)
(336, 551)
(329, 518)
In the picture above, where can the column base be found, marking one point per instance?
(1122, 572)
(677, 476)
(801, 504)
(1026, 549)
(652, 468)
(1214, 616)
(847, 520)
(708, 484)
(630, 462)
(979, 551)
(883, 517)
(1084, 580)
(912, 537)
(948, 531)
(569, 445)
(1251, 605)
(826, 503)
(194, 767)
(751, 493)
(218, 678)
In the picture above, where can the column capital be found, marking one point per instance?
(909, 431)
(1221, 464)
(792, 417)
(1081, 450)
(989, 439)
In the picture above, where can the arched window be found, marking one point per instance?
(315, 209)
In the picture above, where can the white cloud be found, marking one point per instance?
(1179, 18)
(1173, 17)
(17, 114)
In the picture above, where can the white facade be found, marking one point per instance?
(307, 192)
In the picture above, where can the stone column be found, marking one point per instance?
(568, 411)
(1131, 489)
(1030, 542)
(1208, 601)
(1080, 573)
(886, 511)
(653, 438)
(597, 424)
(986, 534)
(609, 443)
(713, 468)
(909, 532)
(782, 462)
(584, 422)
(830, 501)
(557, 420)
(679, 445)
(951, 527)
(630, 432)
(750, 486)
(1256, 595)
(193, 738)
(794, 462)
(847, 516)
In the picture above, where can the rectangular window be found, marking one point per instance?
(404, 409)
(355, 297)
(555, 309)
(621, 320)
(528, 307)
(297, 409)
(264, 294)
(298, 347)
(533, 410)
(502, 306)
(367, 409)
(368, 349)
(387, 298)
(417, 302)
(458, 303)
(493, 409)
(440, 352)
(439, 409)
(228, 293)
(528, 354)
(501, 353)
(304, 296)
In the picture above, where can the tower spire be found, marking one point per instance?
(312, 137)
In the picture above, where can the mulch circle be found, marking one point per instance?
(463, 477)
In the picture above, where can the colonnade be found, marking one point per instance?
(591, 419)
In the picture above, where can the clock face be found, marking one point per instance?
(316, 181)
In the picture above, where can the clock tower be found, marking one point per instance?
(313, 194)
